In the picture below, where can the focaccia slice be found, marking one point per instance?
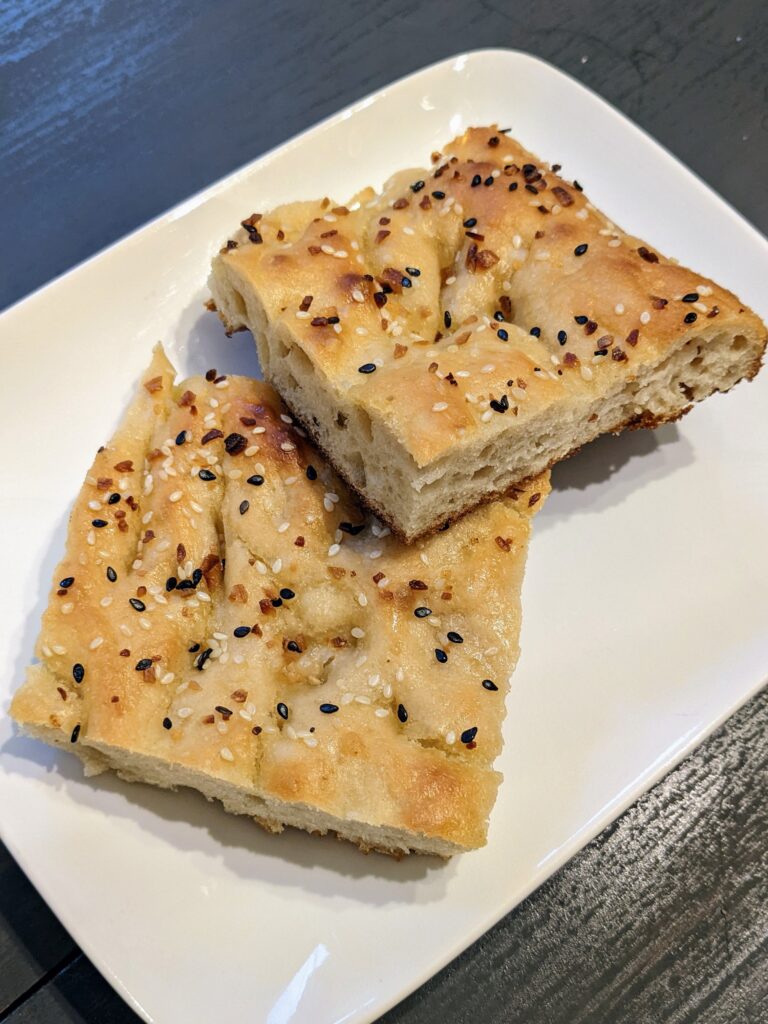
(471, 325)
(226, 618)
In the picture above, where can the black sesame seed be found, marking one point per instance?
(499, 406)
(689, 317)
(469, 734)
(276, 602)
(329, 709)
(498, 316)
(581, 319)
(351, 529)
(580, 249)
(470, 222)
(207, 475)
(78, 672)
(185, 585)
(67, 582)
(380, 298)
(476, 181)
(244, 506)
(138, 605)
(513, 186)
(366, 368)
(577, 186)
(311, 475)
(417, 186)
(332, 320)
(690, 297)
(282, 710)
(226, 712)
(143, 664)
(532, 189)
(405, 282)
(204, 656)
(167, 723)
(489, 684)
(75, 734)
(455, 638)
(402, 714)
(241, 631)
(111, 574)
(438, 195)
(181, 437)
(99, 523)
(413, 271)
(170, 583)
(562, 337)
(257, 480)
(286, 593)
(422, 613)
(502, 335)
(535, 331)
(194, 648)
(113, 498)
(441, 656)
(293, 646)
(489, 180)
(447, 319)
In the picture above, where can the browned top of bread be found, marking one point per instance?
(486, 284)
(224, 605)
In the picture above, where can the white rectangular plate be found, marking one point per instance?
(645, 601)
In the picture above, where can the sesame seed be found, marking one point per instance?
(366, 368)
(689, 318)
(441, 656)
(136, 604)
(439, 406)
(357, 632)
(586, 373)
(96, 642)
(244, 506)
(78, 672)
(282, 710)
(645, 316)
(402, 714)
(502, 335)
(329, 709)
(226, 754)
(489, 684)
(455, 638)
(690, 297)
(469, 734)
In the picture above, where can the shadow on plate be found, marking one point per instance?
(199, 343)
(606, 471)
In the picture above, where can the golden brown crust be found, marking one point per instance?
(251, 628)
(486, 285)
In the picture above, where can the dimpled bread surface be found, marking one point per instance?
(225, 617)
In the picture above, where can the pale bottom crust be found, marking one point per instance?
(272, 815)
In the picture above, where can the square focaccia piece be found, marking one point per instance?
(225, 617)
(471, 325)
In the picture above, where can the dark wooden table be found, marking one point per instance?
(113, 111)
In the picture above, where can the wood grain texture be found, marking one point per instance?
(32, 942)
(110, 113)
